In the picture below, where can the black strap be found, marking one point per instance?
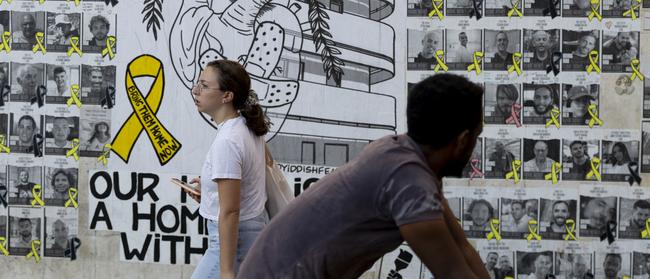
(476, 9)
(555, 63)
(73, 244)
(609, 232)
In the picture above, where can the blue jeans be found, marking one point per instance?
(209, 267)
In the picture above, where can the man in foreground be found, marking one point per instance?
(390, 193)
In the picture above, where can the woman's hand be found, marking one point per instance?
(197, 181)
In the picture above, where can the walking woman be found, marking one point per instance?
(232, 181)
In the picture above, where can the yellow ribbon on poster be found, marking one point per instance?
(37, 191)
(3, 246)
(494, 230)
(570, 227)
(632, 11)
(75, 90)
(440, 63)
(41, 1)
(72, 198)
(74, 151)
(595, 6)
(593, 62)
(514, 173)
(555, 171)
(34, 252)
(533, 228)
(515, 9)
(40, 39)
(437, 5)
(476, 66)
(108, 50)
(3, 144)
(593, 113)
(594, 172)
(8, 1)
(76, 2)
(635, 70)
(646, 233)
(625, 277)
(144, 112)
(555, 114)
(74, 47)
(105, 151)
(516, 58)
(6, 40)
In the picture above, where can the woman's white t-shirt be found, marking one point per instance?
(236, 153)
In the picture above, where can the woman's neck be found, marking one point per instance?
(224, 114)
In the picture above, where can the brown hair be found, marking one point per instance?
(234, 78)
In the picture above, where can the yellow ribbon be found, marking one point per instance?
(37, 190)
(6, 39)
(555, 171)
(593, 62)
(34, 252)
(593, 112)
(494, 231)
(514, 9)
(533, 228)
(40, 37)
(476, 66)
(74, 151)
(516, 58)
(646, 233)
(440, 54)
(555, 113)
(570, 227)
(106, 150)
(625, 277)
(514, 173)
(74, 96)
(74, 46)
(595, 165)
(594, 10)
(72, 198)
(635, 70)
(144, 112)
(3, 244)
(437, 5)
(632, 11)
(41, 1)
(108, 50)
(76, 2)
(8, 2)
(3, 147)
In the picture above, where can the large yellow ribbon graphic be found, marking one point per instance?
(635, 70)
(595, 6)
(3, 246)
(632, 11)
(108, 50)
(105, 151)
(476, 66)
(6, 40)
(555, 114)
(37, 191)
(570, 227)
(593, 62)
(594, 172)
(72, 198)
(440, 63)
(533, 228)
(144, 112)
(437, 5)
(74, 47)
(75, 90)
(593, 113)
(514, 173)
(556, 168)
(74, 151)
(494, 230)
(3, 144)
(516, 58)
(515, 9)
(40, 38)
(34, 252)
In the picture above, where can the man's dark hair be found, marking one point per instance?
(519, 202)
(583, 143)
(441, 107)
(612, 255)
(642, 204)
(58, 70)
(25, 220)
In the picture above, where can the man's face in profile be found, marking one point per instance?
(640, 215)
(560, 213)
(586, 45)
(623, 39)
(504, 262)
(543, 100)
(491, 260)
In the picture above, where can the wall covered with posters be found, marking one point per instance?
(96, 116)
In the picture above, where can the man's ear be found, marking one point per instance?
(463, 140)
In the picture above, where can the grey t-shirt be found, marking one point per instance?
(346, 221)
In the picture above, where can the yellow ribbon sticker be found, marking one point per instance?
(3, 246)
(555, 171)
(72, 198)
(40, 38)
(440, 63)
(533, 228)
(646, 233)
(74, 151)
(632, 11)
(593, 62)
(516, 59)
(594, 172)
(635, 70)
(555, 113)
(437, 5)
(570, 227)
(625, 277)
(494, 230)
(8, 1)
(41, 1)
(3, 144)
(74, 46)
(34, 252)
(593, 112)
(75, 90)
(105, 151)
(76, 2)
(515, 9)
(6, 40)
(595, 7)
(514, 173)
(108, 50)
(476, 66)
(37, 191)
(144, 112)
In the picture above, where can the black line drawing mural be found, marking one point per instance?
(152, 13)
(311, 72)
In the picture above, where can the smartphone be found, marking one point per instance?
(185, 186)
